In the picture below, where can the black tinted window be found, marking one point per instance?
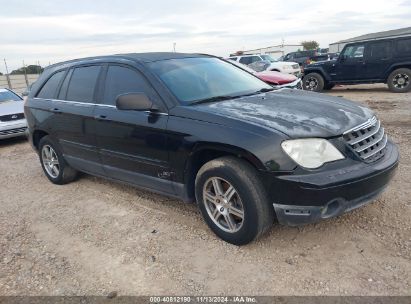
(245, 60)
(379, 50)
(50, 87)
(122, 80)
(82, 84)
(64, 86)
(404, 47)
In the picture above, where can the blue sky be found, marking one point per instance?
(51, 31)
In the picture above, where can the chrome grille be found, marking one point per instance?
(368, 140)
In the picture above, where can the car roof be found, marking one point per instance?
(138, 57)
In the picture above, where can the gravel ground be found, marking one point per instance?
(93, 236)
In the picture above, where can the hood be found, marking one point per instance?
(275, 77)
(11, 107)
(295, 113)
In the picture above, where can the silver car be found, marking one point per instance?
(12, 121)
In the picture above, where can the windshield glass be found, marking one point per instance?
(6, 95)
(195, 79)
(268, 57)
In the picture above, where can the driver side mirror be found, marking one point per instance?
(135, 101)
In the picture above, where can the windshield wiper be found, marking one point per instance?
(214, 99)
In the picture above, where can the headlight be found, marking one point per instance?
(311, 152)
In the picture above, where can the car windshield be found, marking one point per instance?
(6, 95)
(194, 80)
(268, 58)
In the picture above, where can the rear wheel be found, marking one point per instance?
(232, 200)
(399, 80)
(54, 165)
(313, 82)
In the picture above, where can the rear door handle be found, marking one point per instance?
(55, 110)
(101, 117)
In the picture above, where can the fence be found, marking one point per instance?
(17, 83)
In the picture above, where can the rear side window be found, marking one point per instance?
(404, 47)
(121, 80)
(49, 89)
(82, 84)
(379, 50)
(245, 60)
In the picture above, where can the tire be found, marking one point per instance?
(399, 81)
(249, 197)
(313, 82)
(329, 86)
(59, 172)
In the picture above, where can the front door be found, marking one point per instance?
(351, 64)
(132, 144)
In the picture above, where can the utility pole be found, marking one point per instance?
(174, 46)
(25, 74)
(7, 74)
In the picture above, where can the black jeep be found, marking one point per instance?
(377, 61)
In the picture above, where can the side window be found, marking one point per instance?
(82, 84)
(64, 86)
(233, 58)
(354, 51)
(121, 80)
(404, 47)
(245, 60)
(255, 59)
(49, 90)
(379, 50)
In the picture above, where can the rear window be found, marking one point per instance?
(404, 47)
(82, 84)
(49, 89)
(379, 50)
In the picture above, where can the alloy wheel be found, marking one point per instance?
(50, 161)
(223, 204)
(311, 83)
(401, 81)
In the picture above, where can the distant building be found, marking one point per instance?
(275, 51)
(338, 46)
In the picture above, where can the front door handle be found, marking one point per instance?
(55, 110)
(100, 117)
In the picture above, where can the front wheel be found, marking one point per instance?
(232, 200)
(313, 82)
(399, 81)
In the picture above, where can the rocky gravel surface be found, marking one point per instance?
(93, 236)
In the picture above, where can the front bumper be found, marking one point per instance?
(309, 198)
(13, 128)
(296, 84)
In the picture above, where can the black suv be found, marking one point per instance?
(200, 129)
(378, 61)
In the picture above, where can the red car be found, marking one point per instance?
(276, 79)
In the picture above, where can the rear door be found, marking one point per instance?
(133, 144)
(377, 59)
(351, 64)
(74, 118)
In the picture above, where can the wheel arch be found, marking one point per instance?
(319, 71)
(37, 136)
(205, 152)
(394, 67)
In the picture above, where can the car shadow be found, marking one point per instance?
(12, 141)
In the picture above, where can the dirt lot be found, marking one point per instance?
(94, 236)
